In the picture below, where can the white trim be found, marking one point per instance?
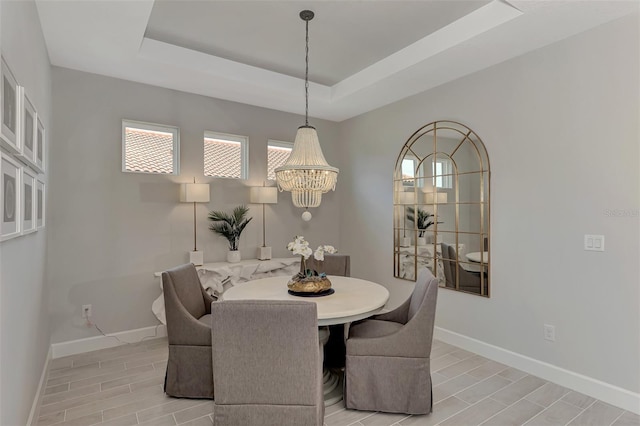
(272, 143)
(606, 392)
(95, 343)
(35, 407)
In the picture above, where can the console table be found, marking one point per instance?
(218, 277)
(423, 254)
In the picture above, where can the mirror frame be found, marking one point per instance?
(403, 199)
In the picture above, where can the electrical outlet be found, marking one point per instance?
(550, 332)
(86, 311)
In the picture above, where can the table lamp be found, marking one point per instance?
(430, 194)
(435, 197)
(263, 195)
(195, 193)
(405, 198)
(431, 198)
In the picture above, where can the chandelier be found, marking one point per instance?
(306, 173)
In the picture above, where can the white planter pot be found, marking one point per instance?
(421, 241)
(233, 256)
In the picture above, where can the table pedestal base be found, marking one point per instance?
(332, 386)
(331, 380)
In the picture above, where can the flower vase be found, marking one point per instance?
(233, 256)
(308, 281)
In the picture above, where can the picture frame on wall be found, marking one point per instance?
(40, 203)
(28, 211)
(10, 197)
(28, 129)
(40, 145)
(9, 110)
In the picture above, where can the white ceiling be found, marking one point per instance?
(363, 54)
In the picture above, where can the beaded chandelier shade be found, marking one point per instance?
(306, 173)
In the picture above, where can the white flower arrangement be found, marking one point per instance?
(301, 247)
(321, 250)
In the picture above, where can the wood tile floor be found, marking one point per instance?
(123, 386)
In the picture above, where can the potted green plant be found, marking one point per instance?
(422, 220)
(230, 226)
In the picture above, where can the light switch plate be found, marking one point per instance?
(594, 242)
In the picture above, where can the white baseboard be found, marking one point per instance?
(95, 343)
(35, 407)
(606, 392)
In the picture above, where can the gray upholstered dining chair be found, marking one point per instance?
(267, 363)
(334, 349)
(468, 281)
(333, 264)
(188, 310)
(388, 356)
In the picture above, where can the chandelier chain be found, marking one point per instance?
(306, 77)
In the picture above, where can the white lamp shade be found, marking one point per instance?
(263, 195)
(406, 197)
(194, 192)
(435, 198)
(428, 185)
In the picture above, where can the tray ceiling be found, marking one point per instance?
(363, 54)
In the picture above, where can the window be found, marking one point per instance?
(443, 174)
(277, 154)
(225, 156)
(150, 148)
(409, 175)
(408, 171)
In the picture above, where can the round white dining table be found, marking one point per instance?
(354, 299)
(478, 256)
(474, 264)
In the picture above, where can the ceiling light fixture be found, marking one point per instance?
(306, 173)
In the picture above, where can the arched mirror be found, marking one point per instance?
(441, 207)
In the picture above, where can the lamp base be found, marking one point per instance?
(264, 253)
(196, 257)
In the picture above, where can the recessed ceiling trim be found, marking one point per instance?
(193, 60)
(477, 22)
(106, 38)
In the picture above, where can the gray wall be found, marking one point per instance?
(110, 231)
(24, 331)
(561, 128)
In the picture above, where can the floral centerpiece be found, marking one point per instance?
(309, 280)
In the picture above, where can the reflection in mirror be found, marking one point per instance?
(441, 207)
